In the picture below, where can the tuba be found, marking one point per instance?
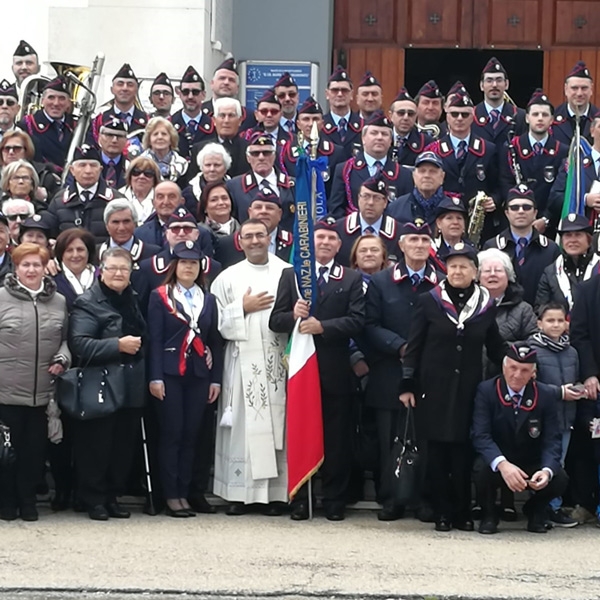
(432, 129)
(30, 95)
(476, 218)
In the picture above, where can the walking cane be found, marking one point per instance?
(147, 464)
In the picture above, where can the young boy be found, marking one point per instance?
(558, 364)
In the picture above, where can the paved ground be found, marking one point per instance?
(218, 557)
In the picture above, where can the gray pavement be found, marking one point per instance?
(218, 557)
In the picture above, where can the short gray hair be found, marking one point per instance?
(502, 257)
(14, 202)
(117, 205)
(210, 149)
(9, 170)
(220, 103)
(116, 253)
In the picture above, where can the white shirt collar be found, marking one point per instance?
(533, 141)
(455, 141)
(490, 108)
(92, 189)
(376, 226)
(336, 118)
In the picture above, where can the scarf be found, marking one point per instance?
(542, 340)
(562, 275)
(85, 280)
(428, 206)
(479, 302)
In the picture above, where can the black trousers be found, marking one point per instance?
(488, 482)
(387, 428)
(204, 456)
(449, 476)
(104, 450)
(61, 459)
(29, 434)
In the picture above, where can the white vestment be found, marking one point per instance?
(250, 457)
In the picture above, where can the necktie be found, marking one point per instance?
(342, 124)
(369, 229)
(521, 245)
(111, 174)
(416, 280)
(190, 299)
(60, 127)
(123, 117)
(461, 151)
(290, 126)
(85, 196)
(516, 400)
(378, 166)
(538, 148)
(495, 118)
(191, 126)
(321, 279)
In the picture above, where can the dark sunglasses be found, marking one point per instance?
(456, 114)
(282, 95)
(177, 229)
(403, 113)
(516, 207)
(188, 91)
(256, 153)
(339, 90)
(135, 172)
(265, 112)
(7, 101)
(13, 148)
(17, 216)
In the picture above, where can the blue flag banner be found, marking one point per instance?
(304, 224)
(574, 199)
(318, 167)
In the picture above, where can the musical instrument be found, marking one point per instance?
(433, 129)
(516, 167)
(477, 217)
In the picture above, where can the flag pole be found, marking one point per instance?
(578, 160)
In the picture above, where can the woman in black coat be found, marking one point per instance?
(107, 329)
(442, 368)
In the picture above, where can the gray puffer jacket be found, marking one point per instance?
(33, 336)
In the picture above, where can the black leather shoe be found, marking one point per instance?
(98, 513)
(201, 505)
(335, 513)
(179, 513)
(536, 525)
(390, 512)
(273, 509)
(116, 511)
(29, 512)
(425, 513)
(508, 514)
(299, 512)
(235, 509)
(60, 501)
(8, 513)
(488, 526)
(463, 524)
(443, 524)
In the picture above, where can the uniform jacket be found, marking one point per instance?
(406, 152)
(349, 230)
(5, 268)
(390, 302)
(168, 339)
(585, 328)
(531, 440)
(120, 168)
(352, 141)
(563, 127)
(405, 209)
(229, 252)
(204, 127)
(33, 335)
(138, 123)
(341, 310)
(512, 119)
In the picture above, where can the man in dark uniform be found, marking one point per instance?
(338, 316)
(51, 128)
(408, 142)
(286, 90)
(495, 119)
(369, 96)
(161, 95)
(390, 301)
(369, 218)
(349, 176)
(112, 141)
(538, 157)
(309, 113)
(530, 251)
(262, 174)
(429, 101)
(124, 89)
(82, 202)
(266, 207)
(341, 125)
(191, 123)
(579, 87)
(516, 435)
(25, 62)
(9, 106)
(470, 162)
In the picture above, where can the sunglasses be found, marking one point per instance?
(265, 112)
(17, 216)
(282, 95)
(177, 229)
(188, 91)
(404, 113)
(7, 101)
(456, 114)
(339, 90)
(516, 207)
(145, 172)
(13, 148)
(255, 153)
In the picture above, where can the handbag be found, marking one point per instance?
(7, 451)
(401, 476)
(91, 392)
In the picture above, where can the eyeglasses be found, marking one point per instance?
(7, 101)
(188, 91)
(117, 136)
(21, 178)
(162, 93)
(339, 90)
(256, 153)
(463, 115)
(405, 113)
(516, 207)
(20, 216)
(115, 269)
(265, 112)
(135, 172)
(13, 148)
(492, 270)
(282, 95)
(178, 229)
(248, 237)
(372, 197)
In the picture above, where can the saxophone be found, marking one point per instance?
(477, 217)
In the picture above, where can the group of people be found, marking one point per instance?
(157, 257)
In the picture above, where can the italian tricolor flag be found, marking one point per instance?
(304, 420)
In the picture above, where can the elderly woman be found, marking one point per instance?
(160, 143)
(142, 176)
(20, 180)
(37, 230)
(17, 145)
(214, 209)
(107, 329)
(442, 367)
(16, 211)
(214, 162)
(33, 350)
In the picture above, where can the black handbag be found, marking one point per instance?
(7, 451)
(401, 476)
(91, 392)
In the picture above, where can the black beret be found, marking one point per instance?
(310, 107)
(266, 195)
(379, 120)
(403, 95)
(522, 352)
(339, 74)
(539, 97)
(462, 249)
(459, 100)
(58, 84)
(368, 79)
(450, 204)
(328, 224)
(23, 49)
(188, 250)
(575, 222)
(286, 80)
(86, 152)
(38, 221)
(521, 192)
(125, 72)
(260, 138)
(181, 215)
(458, 87)
(162, 79)
(8, 89)
(114, 124)
(418, 227)
(580, 70)
(269, 97)
(377, 184)
(228, 64)
(430, 90)
(493, 66)
(192, 76)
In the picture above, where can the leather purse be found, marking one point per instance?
(7, 451)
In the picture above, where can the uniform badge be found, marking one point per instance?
(549, 174)
(142, 121)
(482, 119)
(525, 152)
(189, 244)
(381, 185)
(37, 218)
(480, 172)
(534, 428)
(559, 118)
(528, 402)
(414, 145)
(572, 217)
(455, 200)
(325, 175)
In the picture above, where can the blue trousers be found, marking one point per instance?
(179, 418)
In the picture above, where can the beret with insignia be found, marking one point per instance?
(327, 224)
(377, 184)
(520, 192)
(23, 49)
(162, 79)
(8, 89)
(493, 66)
(310, 107)
(181, 215)
(450, 204)
(459, 100)
(575, 222)
(286, 80)
(368, 79)
(125, 72)
(266, 195)
(430, 90)
(462, 249)
(458, 87)
(522, 352)
(86, 152)
(268, 97)
(58, 84)
(340, 74)
(539, 97)
(192, 76)
(260, 138)
(580, 70)
(378, 119)
(44, 221)
(416, 227)
(403, 95)
(112, 125)
(228, 64)
(188, 250)
(429, 157)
